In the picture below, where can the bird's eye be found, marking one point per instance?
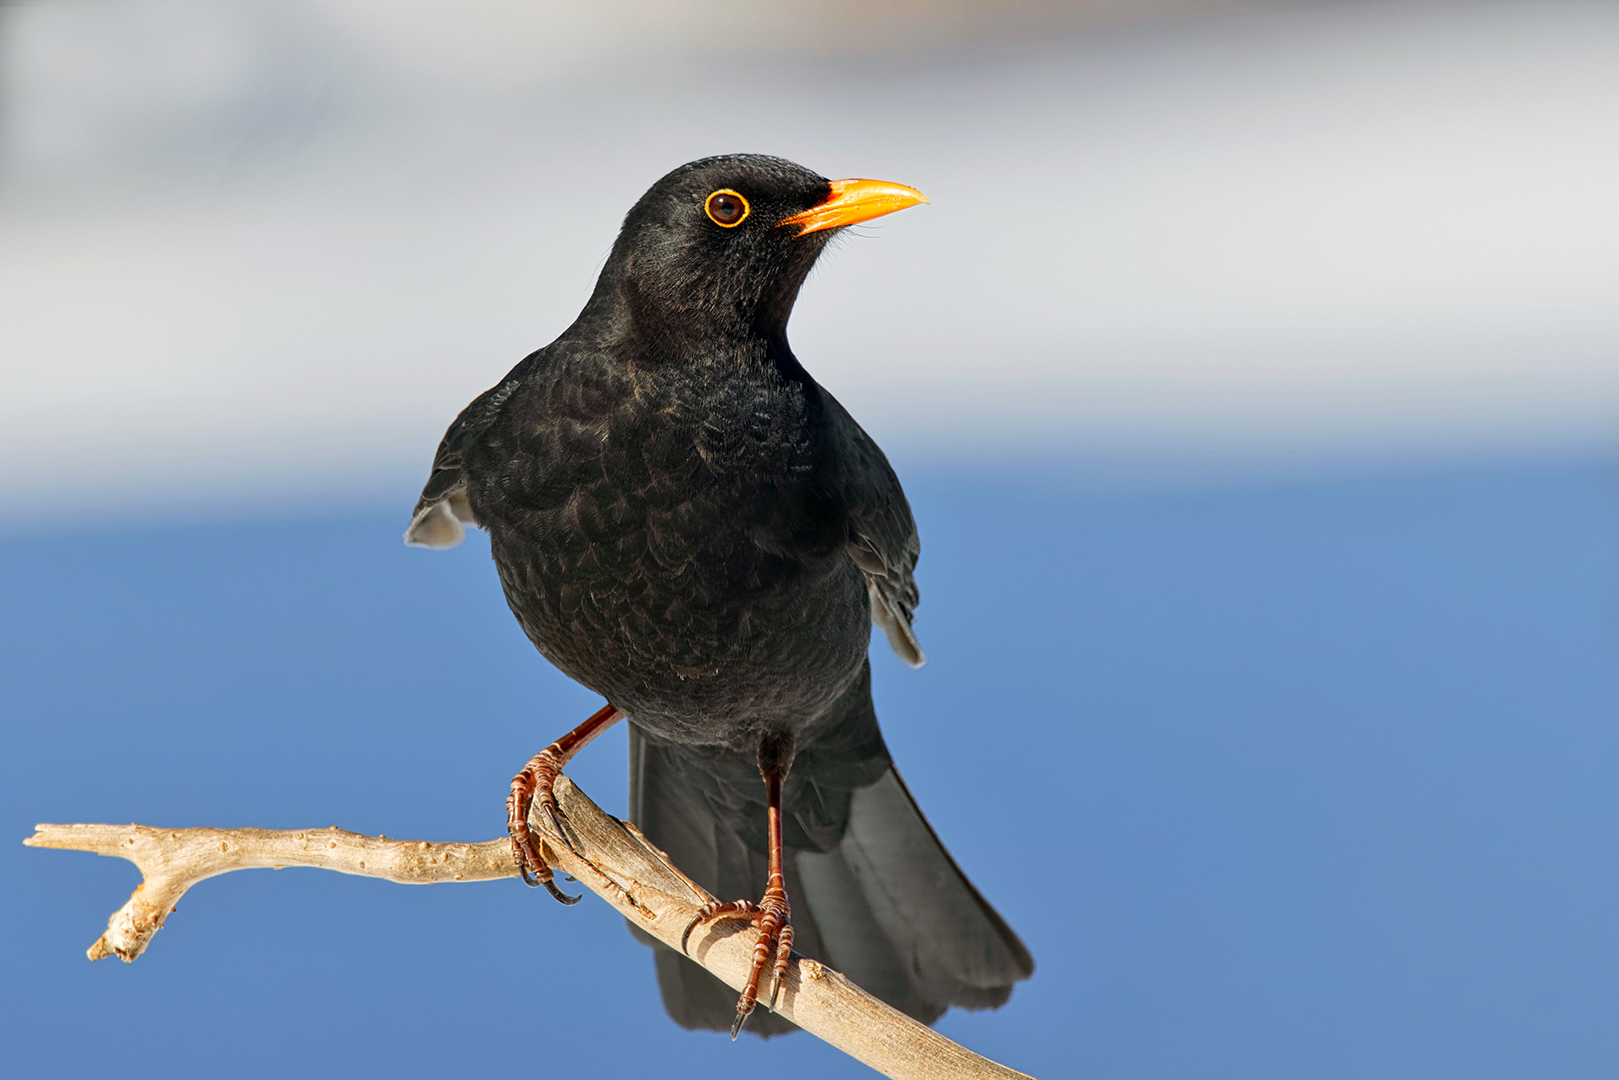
(726, 208)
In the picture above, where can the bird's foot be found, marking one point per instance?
(772, 917)
(535, 784)
(537, 781)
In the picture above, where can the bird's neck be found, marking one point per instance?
(687, 330)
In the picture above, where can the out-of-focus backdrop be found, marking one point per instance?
(275, 245)
(1254, 371)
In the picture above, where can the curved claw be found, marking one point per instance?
(534, 881)
(736, 1025)
(562, 897)
(703, 915)
(737, 909)
(564, 830)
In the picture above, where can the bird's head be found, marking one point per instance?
(719, 247)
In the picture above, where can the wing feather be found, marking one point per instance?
(443, 508)
(883, 540)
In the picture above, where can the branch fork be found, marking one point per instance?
(616, 862)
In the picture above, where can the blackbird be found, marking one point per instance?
(685, 522)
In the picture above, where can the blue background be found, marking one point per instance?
(1298, 779)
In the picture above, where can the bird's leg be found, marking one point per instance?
(771, 915)
(536, 782)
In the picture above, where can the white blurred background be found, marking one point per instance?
(266, 251)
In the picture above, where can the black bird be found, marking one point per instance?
(686, 523)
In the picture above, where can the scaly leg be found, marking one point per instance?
(771, 915)
(536, 782)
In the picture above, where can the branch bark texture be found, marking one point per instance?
(616, 862)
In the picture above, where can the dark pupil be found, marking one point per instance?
(726, 208)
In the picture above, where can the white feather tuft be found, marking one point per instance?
(900, 637)
(437, 526)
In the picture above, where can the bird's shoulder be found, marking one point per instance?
(500, 415)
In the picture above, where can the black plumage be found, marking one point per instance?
(686, 523)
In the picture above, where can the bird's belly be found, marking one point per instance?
(705, 649)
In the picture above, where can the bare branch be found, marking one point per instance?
(617, 863)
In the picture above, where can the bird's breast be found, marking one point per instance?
(674, 547)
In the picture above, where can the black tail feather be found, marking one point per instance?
(874, 893)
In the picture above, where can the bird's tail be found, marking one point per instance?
(874, 893)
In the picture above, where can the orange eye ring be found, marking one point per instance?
(727, 208)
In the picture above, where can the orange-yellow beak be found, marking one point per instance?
(854, 201)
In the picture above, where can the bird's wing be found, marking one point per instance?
(883, 542)
(436, 521)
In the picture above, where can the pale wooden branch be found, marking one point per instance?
(617, 863)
